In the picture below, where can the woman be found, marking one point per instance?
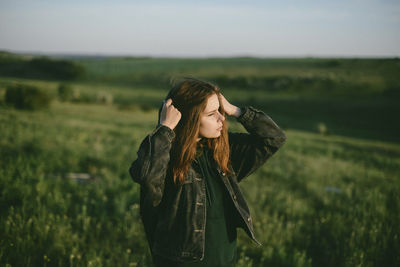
(189, 168)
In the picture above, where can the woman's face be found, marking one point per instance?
(211, 121)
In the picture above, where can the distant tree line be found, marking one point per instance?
(40, 68)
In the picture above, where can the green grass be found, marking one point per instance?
(349, 97)
(321, 200)
(364, 116)
(298, 76)
(329, 197)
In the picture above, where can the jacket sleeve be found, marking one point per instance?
(248, 151)
(150, 167)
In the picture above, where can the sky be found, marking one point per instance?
(221, 28)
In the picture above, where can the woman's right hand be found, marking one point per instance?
(170, 116)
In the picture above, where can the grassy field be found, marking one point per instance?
(327, 198)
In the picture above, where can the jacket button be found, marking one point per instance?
(234, 197)
(249, 219)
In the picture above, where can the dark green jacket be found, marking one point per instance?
(174, 216)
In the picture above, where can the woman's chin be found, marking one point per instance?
(218, 134)
(215, 135)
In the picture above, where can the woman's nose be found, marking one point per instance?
(221, 117)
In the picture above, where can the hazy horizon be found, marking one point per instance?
(94, 54)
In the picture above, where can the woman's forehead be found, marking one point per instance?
(212, 103)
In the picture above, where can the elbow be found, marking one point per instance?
(134, 173)
(155, 194)
(276, 142)
(283, 138)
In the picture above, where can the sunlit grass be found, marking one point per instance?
(329, 197)
(321, 200)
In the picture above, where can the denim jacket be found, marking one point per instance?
(174, 216)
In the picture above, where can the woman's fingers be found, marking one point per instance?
(230, 109)
(168, 102)
(170, 115)
(225, 103)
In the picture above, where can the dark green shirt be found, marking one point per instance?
(220, 233)
(220, 240)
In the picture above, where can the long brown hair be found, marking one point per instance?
(190, 98)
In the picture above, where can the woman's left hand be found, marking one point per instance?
(230, 109)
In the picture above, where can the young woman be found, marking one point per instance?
(189, 168)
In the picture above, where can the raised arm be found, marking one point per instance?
(150, 167)
(248, 151)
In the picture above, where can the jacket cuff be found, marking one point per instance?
(247, 115)
(164, 130)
